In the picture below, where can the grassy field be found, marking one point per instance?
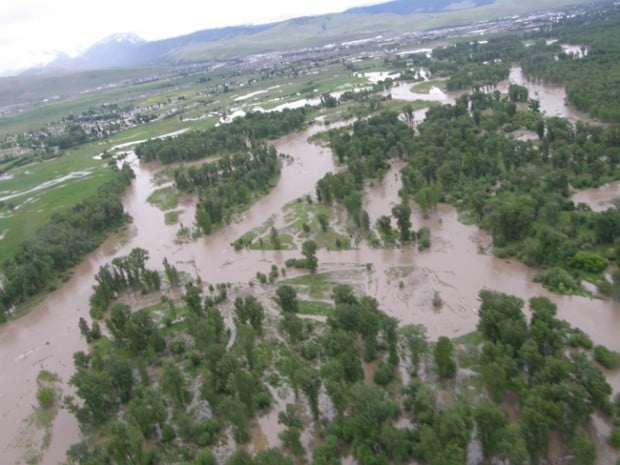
(35, 210)
(314, 307)
(26, 89)
(317, 285)
(36, 191)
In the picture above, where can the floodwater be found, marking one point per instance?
(599, 198)
(552, 98)
(403, 281)
(402, 91)
(578, 51)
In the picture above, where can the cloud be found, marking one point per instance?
(15, 12)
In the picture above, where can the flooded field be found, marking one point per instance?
(435, 94)
(457, 266)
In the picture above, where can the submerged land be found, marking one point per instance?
(386, 251)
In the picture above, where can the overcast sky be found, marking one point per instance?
(33, 32)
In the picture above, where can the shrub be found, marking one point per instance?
(45, 397)
(558, 280)
(578, 338)
(384, 374)
(606, 357)
(424, 238)
(167, 433)
(614, 437)
(588, 261)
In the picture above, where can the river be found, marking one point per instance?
(47, 337)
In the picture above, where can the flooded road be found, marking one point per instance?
(403, 281)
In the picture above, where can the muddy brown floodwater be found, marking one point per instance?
(48, 336)
(552, 98)
(600, 198)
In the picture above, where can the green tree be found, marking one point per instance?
(192, 299)
(45, 397)
(275, 238)
(310, 382)
(125, 445)
(287, 298)
(501, 319)
(517, 93)
(293, 326)
(250, 311)
(289, 417)
(444, 357)
(240, 457)
(415, 338)
(308, 250)
(511, 218)
(172, 274)
(173, 384)
(147, 410)
(402, 213)
(491, 422)
(204, 457)
(323, 221)
(583, 449)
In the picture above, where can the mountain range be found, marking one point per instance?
(398, 16)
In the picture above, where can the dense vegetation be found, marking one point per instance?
(557, 391)
(229, 184)
(518, 190)
(174, 384)
(226, 138)
(592, 82)
(39, 263)
(126, 272)
(366, 152)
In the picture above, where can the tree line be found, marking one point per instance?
(38, 263)
(165, 383)
(590, 79)
(229, 184)
(520, 190)
(225, 138)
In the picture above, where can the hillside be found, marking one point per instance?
(389, 18)
(406, 7)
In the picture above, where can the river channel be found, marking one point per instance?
(457, 266)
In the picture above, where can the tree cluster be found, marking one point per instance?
(229, 184)
(557, 390)
(125, 272)
(226, 138)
